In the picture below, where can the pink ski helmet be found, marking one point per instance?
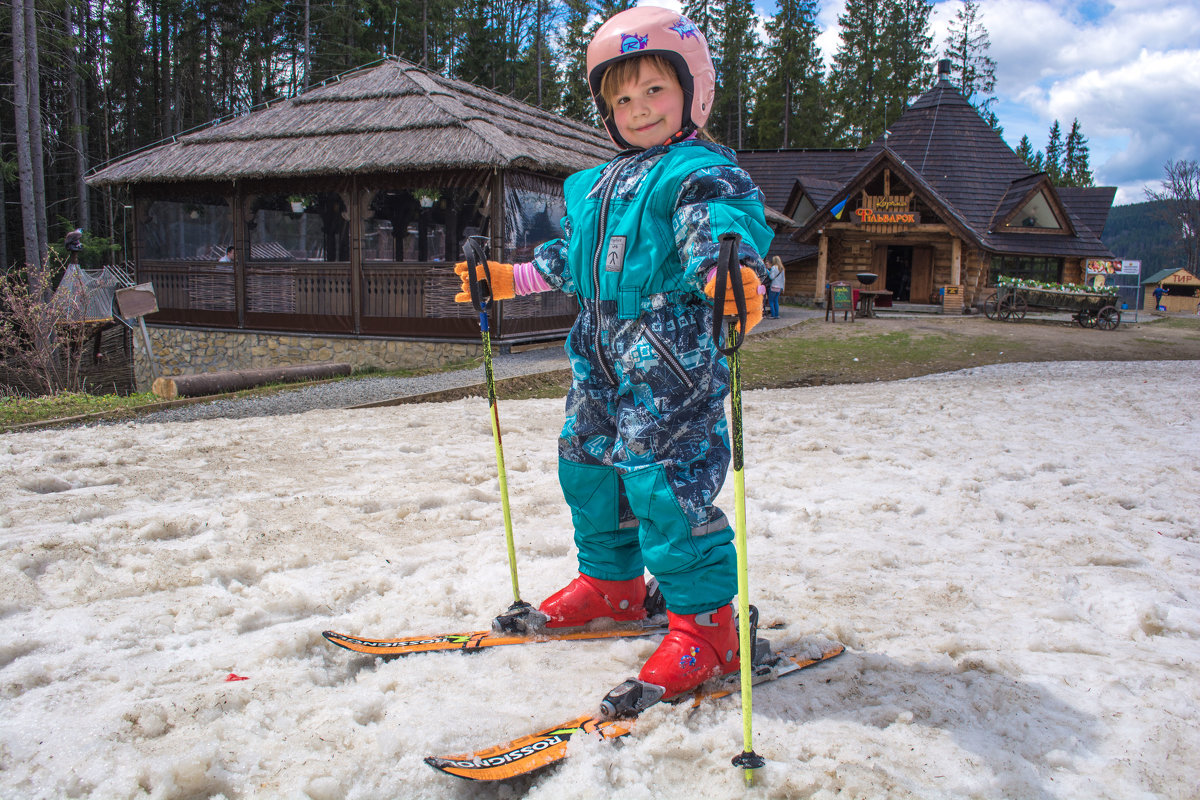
(658, 31)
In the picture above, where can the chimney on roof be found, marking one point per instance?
(944, 70)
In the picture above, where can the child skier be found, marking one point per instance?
(644, 449)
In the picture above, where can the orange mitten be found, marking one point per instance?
(502, 281)
(752, 286)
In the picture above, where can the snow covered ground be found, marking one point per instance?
(1011, 554)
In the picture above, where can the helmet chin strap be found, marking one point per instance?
(681, 134)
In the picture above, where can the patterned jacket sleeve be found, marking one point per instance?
(713, 201)
(550, 259)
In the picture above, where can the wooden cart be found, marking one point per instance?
(1092, 309)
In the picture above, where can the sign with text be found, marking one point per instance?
(883, 213)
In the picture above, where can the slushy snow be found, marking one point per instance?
(1010, 553)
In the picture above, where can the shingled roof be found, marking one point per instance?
(390, 117)
(948, 152)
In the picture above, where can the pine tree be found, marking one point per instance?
(790, 108)
(576, 97)
(966, 48)
(884, 58)
(1052, 164)
(908, 56)
(856, 74)
(739, 57)
(1025, 151)
(1076, 168)
(707, 15)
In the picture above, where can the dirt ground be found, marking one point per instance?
(885, 348)
(920, 345)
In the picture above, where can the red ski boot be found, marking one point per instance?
(586, 598)
(697, 647)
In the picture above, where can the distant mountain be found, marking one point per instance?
(1141, 231)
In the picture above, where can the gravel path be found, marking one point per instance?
(361, 391)
(346, 393)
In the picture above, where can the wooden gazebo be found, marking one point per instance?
(346, 206)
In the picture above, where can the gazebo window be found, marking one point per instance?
(195, 228)
(421, 224)
(299, 227)
(533, 210)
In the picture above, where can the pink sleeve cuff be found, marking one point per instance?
(527, 279)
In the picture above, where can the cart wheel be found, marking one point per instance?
(1012, 309)
(1108, 319)
(990, 306)
(1020, 307)
(1082, 318)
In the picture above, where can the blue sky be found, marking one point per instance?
(1129, 70)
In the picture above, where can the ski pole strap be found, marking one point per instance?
(481, 292)
(729, 271)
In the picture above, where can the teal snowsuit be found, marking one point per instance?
(644, 449)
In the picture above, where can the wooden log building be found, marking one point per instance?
(939, 200)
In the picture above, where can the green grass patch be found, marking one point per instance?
(20, 410)
(15, 410)
(792, 361)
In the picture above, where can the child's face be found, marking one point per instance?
(648, 110)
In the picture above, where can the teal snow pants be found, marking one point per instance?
(645, 450)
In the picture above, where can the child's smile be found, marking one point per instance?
(649, 109)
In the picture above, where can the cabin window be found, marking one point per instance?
(196, 228)
(1037, 213)
(298, 227)
(1048, 270)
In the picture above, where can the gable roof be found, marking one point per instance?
(1163, 274)
(776, 171)
(962, 168)
(1090, 205)
(390, 117)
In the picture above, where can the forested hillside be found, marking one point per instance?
(1142, 231)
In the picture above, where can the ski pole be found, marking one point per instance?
(729, 271)
(481, 298)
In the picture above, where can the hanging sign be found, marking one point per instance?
(887, 213)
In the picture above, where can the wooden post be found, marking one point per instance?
(822, 265)
(496, 227)
(356, 235)
(241, 240)
(955, 261)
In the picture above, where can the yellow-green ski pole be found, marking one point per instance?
(481, 298)
(729, 272)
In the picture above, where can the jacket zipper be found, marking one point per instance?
(673, 363)
(597, 257)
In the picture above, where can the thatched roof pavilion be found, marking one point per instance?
(340, 211)
(395, 116)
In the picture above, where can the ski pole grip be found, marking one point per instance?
(729, 271)
(481, 294)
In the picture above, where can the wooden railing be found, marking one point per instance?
(396, 299)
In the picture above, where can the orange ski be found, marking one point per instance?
(531, 753)
(476, 640)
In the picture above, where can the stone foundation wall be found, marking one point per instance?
(190, 351)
